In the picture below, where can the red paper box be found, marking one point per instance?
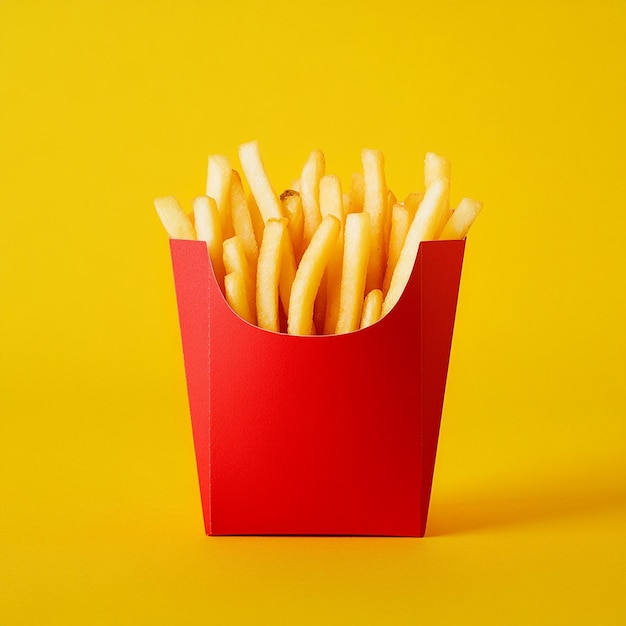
(317, 435)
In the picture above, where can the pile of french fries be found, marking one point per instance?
(315, 260)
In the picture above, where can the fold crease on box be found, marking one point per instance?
(317, 435)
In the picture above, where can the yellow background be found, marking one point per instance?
(105, 105)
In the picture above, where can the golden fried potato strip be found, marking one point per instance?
(424, 227)
(372, 306)
(260, 186)
(399, 229)
(357, 242)
(235, 261)
(309, 275)
(242, 219)
(174, 219)
(209, 229)
(374, 202)
(312, 173)
(236, 295)
(461, 219)
(292, 206)
(217, 187)
(268, 273)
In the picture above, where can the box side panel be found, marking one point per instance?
(190, 262)
(440, 266)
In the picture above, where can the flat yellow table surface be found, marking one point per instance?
(105, 105)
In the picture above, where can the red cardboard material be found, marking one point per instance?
(317, 435)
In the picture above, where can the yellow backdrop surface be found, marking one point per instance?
(105, 105)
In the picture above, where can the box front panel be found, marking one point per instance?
(314, 435)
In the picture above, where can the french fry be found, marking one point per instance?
(461, 219)
(331, 203)
(292, 206)
(176, 222)
(436, 166)
(423, 227)
(257, 219)
(357, 242)
(391, 200)
(357, 189)
(399, 228)
(374, 201)
(309, 274)
(333, 286)
(260, 186)
(268, 273)
(235, 261)
(371, 308)
(217, 187)
(412, 202)
(346, 203)
(209, 229)
(235, 290)
(242, 219)
(287, 272)
(321, 300)
(330, 197)
(312, 172)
